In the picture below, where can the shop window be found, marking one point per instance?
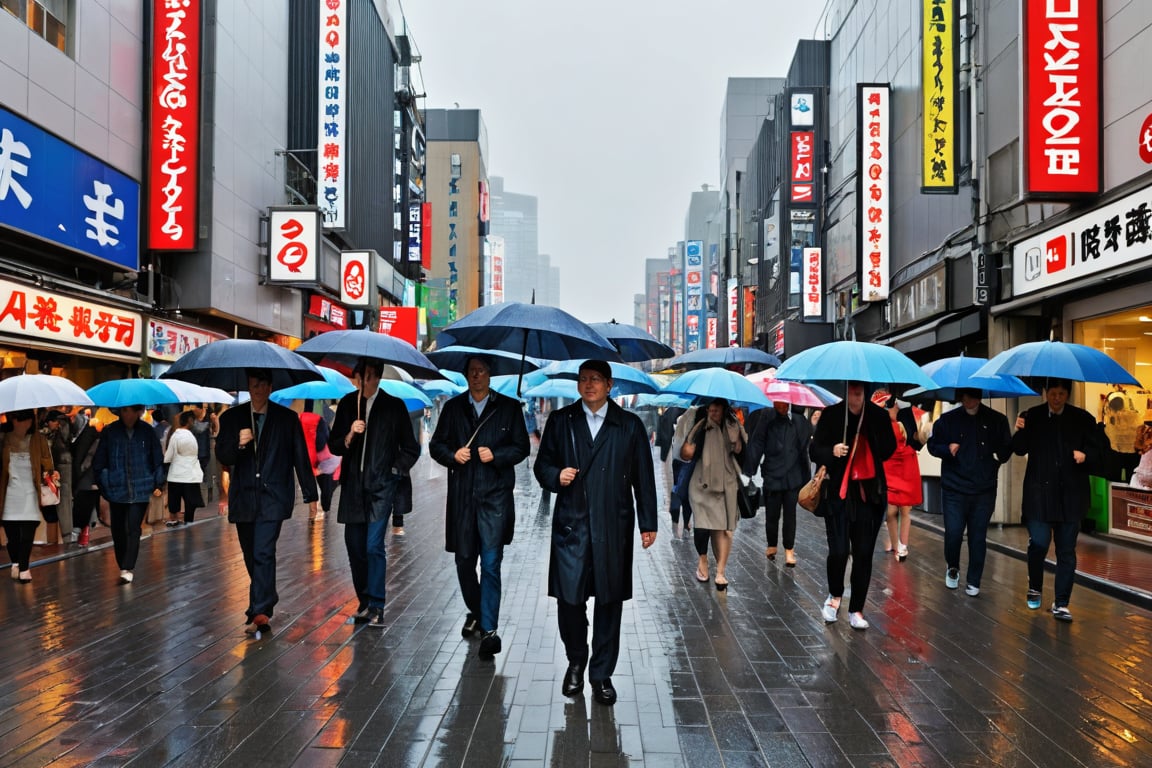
(1126, 337)
(47, 18)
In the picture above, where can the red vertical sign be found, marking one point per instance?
(803, 155)
(426, 236)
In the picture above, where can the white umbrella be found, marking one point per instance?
(187, 392)
(38, 390)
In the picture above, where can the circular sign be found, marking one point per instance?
(1145, 140)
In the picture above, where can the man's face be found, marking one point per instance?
(781, 408)
(369, 381)
(594, 388)
(479, 379)
(1057, 397)
(969, 401)
(259, 390)
(855, 397)
(129, 416)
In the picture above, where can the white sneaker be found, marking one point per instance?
(971, 591)
(125, 577)
(952, 578)
(829, 610)
(857, 620)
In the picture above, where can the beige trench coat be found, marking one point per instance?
(716, 480)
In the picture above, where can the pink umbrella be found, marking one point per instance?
(760, 378)
(791, 392)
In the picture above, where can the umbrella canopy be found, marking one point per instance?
(531, 330)
(664, 399)
(566, 388)
(454, 376)
(723, 357)
(794, 392)
(508, 385)
(120, 393)
(1058, 360)
(853, 361)
(625, 379)
(439, 388)
(345, 348)
(334, 386)
(719, 382)
(826, 396)
(222, 364)
(455, 358)
(39, 390)
(413, 398)
(634, 344)
(953, 373)
(194, 393)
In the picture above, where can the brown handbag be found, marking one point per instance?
(811, 493)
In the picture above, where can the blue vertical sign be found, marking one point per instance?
(693, 294)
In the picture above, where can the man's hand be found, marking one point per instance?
(1078, 457)
(953, 447)
(485, 454)
(245, 437)
(357, 428)
(648, 538)
(1019, 422)
(463, 455)
(567, 475)
(157, 493)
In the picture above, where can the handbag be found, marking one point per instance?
(748, 498)
(684, 478)
(812, 492)
(49, 491)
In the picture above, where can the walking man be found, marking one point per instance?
(373, 434)
(263, 444)
(596, 458)
(480, 437)
(971, 441)
(1061, 442)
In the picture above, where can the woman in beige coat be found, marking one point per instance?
(716, 482)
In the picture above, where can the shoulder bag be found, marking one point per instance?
(748, 498)
(49, 491)
(812, 492)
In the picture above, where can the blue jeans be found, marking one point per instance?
(1040, 535)
(368, 560)
(972, 511)
(482, 596)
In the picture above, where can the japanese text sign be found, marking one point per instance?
(51, 189)
(293, 244)
(54, 317)
(400, 322)
(174, 125)
(167, 341)
(802, 162)
(812, 290)
(331, 163)
(938, 75)
(872, 183)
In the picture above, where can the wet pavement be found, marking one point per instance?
(159, 672)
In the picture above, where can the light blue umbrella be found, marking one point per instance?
(1058, 360)
(719, 382)
(663, 399)
(625, 379)
(454, 376)
(441, 388)
(565, 388)
(413, 398)
(853, 361)
(120, 393)
(953, 373)
(334, 387)
(508, 384)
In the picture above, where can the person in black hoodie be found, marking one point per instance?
(780, 438)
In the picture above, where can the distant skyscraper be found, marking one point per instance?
(514, 217)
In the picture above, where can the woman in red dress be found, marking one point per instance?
(903, 474)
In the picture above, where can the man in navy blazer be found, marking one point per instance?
(262, 443)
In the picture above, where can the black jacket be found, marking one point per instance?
(261, 487)
(782, 443)
(389, 448)
(480, 512)
(830, 430)
(985, 443)
(1056, 488)
(596, 515)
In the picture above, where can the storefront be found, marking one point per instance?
(168, 341)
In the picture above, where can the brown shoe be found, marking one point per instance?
(790, 558)
(258, 626)
(771, 552)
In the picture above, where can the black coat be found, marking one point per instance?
(666, 428)
(782, 443)
(1056, 488)
(595, 517)
(279, 451)
(830, 430)
(985, 443)
(480, 513)
(388, 447)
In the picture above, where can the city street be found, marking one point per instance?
(160, 672)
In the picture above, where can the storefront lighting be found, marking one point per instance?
(1145, 319)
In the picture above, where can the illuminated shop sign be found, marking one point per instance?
(331, 165)
(49, 316)
(874, 207)
(802, 162)
(293, 244)
(938, 73)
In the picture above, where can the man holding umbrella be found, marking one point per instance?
(263, 443)
(596, 458)
(373, 434)
(480, 437)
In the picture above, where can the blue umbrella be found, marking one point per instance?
(456, 357)
(507, 385)
(222, 364)
(345, 348)
(439, 388)
(1058, 360)
(723, 357)
(665, 399)
(625, 379)
(953, 373)
(454, 376)
(566, 388)
(634, 344)
(719, 382)
(120, 393)
(826, 396)
(529, 330)
(853, 361)
(413, 398)
(334, 387)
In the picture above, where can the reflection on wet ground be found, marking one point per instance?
(160, 673)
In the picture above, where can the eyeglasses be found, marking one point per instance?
(591, 379)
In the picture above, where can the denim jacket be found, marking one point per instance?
(128, 469)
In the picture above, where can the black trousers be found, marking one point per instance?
(853, 535)
(258, 543)
(20, 534)
(779, 504)
(126, 522)
(84, 503)
(606, 618)
(189, 493)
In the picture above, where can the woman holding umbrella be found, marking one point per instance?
(853, 440)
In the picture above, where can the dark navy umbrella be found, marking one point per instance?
(529, 330)
(456, 357)
(722, 357)
(345, 348)
(222, 364)
(634, 344)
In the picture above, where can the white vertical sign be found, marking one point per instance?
(356, 288)
(812, 291)
(331, 165)
(873, 130)
(293, 244)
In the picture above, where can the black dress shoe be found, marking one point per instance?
(573, 680)
(603, 692)
(471, 626)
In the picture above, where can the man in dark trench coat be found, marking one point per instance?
(480, 437)
(596, 458)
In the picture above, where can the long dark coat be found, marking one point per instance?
(782, 443)
(279, 451)
(595, 517)
(480, 513)
(830, 430)
(1056, 488)
(388, 444)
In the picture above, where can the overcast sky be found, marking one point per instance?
(608, 112)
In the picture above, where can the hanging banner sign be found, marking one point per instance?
(803, 154)
(293, 244)
(812, 292)
(872, 183)
(331, 165)
(168, 341)
(50, 316)
(938, 75)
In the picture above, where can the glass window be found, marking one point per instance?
(47, 18)
(1126, 337)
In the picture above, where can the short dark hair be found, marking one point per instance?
(260, 374)
(365, 363)
(599, 366)
(482, 359)
(1065, 384)
(970, 392)
(186, 418)
(22, 415)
